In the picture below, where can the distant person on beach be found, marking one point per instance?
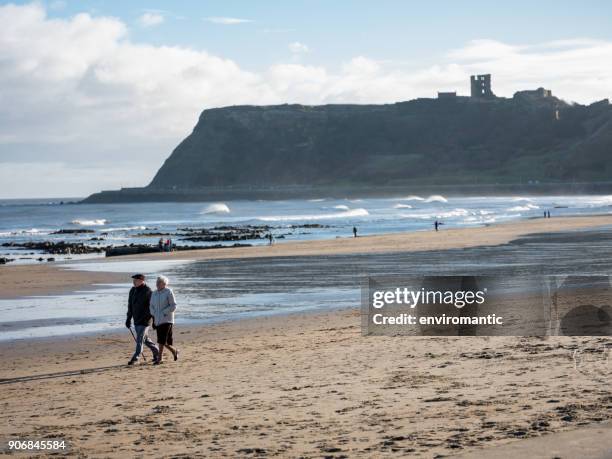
(138, 310)
(437, 224)
(162, 309)
(270, 238)
(354, 231)
(160, 244)
(548, 212)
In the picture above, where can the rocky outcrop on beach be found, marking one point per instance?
(228, 233)
(134, 249)
(181, 239)
(57, 248)
(461, 141)
(225, 233)
(74, 231)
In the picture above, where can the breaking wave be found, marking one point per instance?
(217, 208)
(601, 201)
(436, 198)
(346, 214)
(432, 198)
(523, 208)
(402, 206)
(97, 222)
(341, 207)
(447, 214)
(412, 198)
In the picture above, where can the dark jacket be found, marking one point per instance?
(138, 305)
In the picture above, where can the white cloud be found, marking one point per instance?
(150, 19)
(298, 48)
(78, 95)
(226, 20)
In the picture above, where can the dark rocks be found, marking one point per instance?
(5, 260)
(133, 249)
(56, 248)
(74, 231)
(310, 225)
(225, 233)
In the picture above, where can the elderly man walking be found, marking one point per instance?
(138, 309)
(162, 309)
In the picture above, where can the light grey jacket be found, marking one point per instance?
(162, 306)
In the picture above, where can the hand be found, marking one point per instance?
(128, 324)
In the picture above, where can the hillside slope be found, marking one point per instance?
(429, 141)
(424, 142)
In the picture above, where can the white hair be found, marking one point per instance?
(163, 279)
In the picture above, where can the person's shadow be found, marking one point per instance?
(59, 374)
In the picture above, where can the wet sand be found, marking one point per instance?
(305, 385)
(50, 278)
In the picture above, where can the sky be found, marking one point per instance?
(96, 94)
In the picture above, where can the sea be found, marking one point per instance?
(222, 290)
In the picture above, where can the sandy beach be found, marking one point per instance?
(299, 386)
(50, 278)
(309, 385)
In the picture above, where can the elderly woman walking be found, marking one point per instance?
(162, 309)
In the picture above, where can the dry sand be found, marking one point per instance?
(47, 279)
(591, 442)
(301, 386)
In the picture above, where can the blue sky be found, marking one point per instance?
(96, 94)
(402, 31)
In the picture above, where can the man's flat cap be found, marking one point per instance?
(138, 276)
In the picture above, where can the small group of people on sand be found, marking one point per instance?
(165, 246)
(148, 308)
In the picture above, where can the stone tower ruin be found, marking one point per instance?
(481, 86)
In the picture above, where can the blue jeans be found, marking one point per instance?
(142, 337)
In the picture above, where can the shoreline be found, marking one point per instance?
(280, 192)
(28, 280)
